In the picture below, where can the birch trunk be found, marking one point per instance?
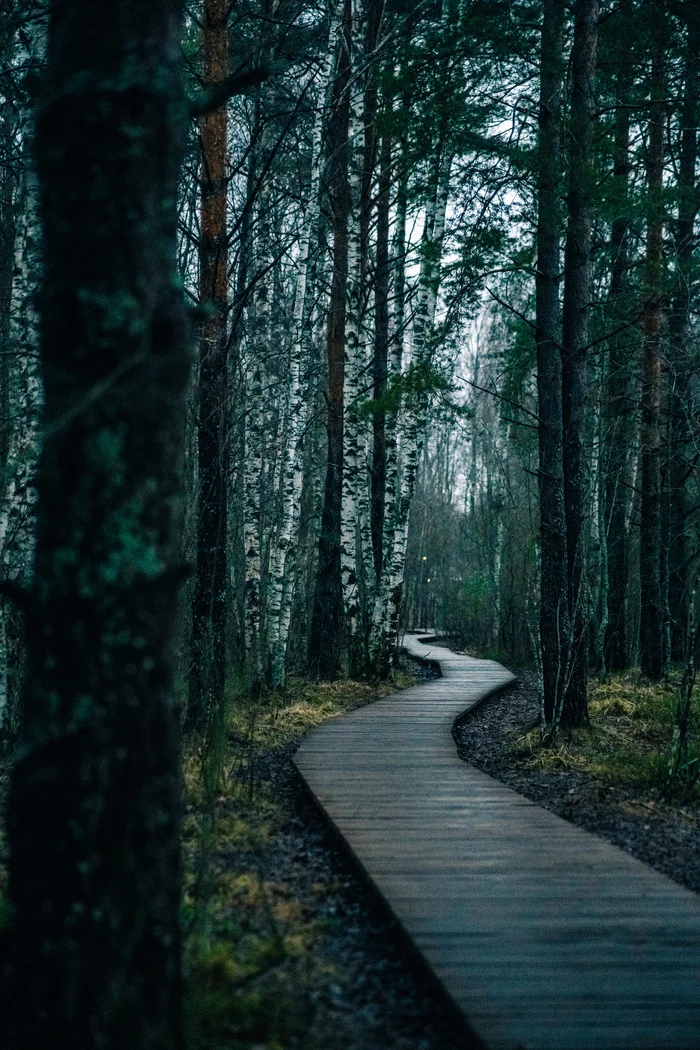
(498, 506)
(257, 351)
(415, 413)
(23, 396)
(350, 553)
(380, 361)
(380, 654)
(283, 556)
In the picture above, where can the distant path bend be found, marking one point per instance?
(544, 936)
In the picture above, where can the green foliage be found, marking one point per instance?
(684, 783)
(420, 382)
(683, 766)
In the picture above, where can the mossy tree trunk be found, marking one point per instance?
(91, 954)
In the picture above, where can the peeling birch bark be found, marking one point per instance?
(352, 457)
(18, 496)
(414, 414)
(282, 557)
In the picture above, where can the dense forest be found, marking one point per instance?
(319, 321)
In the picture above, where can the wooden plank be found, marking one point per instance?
(543, 935)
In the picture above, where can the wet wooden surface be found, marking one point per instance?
(544, 936)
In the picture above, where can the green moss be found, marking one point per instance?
(223, 1007)
(252, 947)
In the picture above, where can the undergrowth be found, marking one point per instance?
(628, 740)
(251, 948)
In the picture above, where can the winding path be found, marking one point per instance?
(544, 936)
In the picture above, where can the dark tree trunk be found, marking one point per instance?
(681, 431)
(577, 291)
(651, 623)
(327, 617)
(554, 611)
(91, 954)
(209, 602)
(381, 349)
(620, 409)
(325, 642)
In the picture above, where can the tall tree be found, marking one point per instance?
(619, 405)
(577, 295)
(353, 452)
(380, 356)
(90, 956)
(283, 562)
(680, 352)
(652, 612)
(22, 38)
(555, 631)
(209, 602)
(327, 617)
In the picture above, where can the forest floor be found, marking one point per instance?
(607, 779)
(287, 947)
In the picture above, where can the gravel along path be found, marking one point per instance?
(344, 979)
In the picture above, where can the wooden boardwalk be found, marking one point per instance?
(544, 936)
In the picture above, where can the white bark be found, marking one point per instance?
(415, 409)
(18, 493)
(352, 448)
(5, 700)
(498, 501)
(254, 463)
(397, 320)
(283, 554)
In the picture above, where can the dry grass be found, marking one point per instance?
(252, 961)
(252, 945)
(631, 725)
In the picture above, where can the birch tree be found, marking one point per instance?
(283, 565)
(17, 510)
(350, 552)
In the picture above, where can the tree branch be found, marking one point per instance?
(207, 101)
